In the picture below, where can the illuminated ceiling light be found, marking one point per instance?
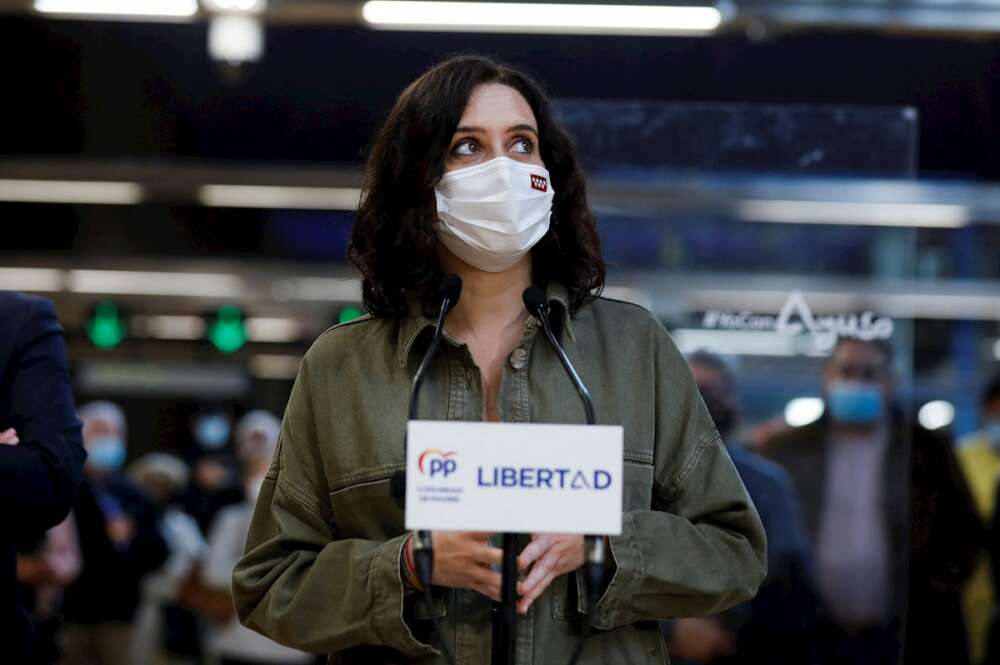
(348, 314)
(261, 329)
(936, 414)
(105, 326)
(120, 8)
(70, 191)
(31, 279)
(735, 342)
(169, 326)
(290, 198)
(802, 411)
(928, 215)
(540, 17)
(320, 289)
(246, 6)
(129, 282)
(227, 332)
(235, 38)
(266, 366)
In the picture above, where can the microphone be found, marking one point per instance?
(538, 306)
(593, 547)
(449, 290)
(423, 546)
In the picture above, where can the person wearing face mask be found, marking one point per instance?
(778, 627)
(472, 175)
(889, 517)
(979, 455)
(229, 643)
(216, 481)
(120, 542)
(165, 633)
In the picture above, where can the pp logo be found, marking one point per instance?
(434, 462)
(540, 183)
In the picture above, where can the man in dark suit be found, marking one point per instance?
(778, 626)
(890, 518)
(41, 453)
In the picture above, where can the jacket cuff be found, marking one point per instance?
(389, 595)
(626, 555)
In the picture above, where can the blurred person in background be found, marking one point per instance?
(889, 515)
(166, 633)
(992, 648)
(230, 643)
(41, 454)
(215, 471)
(979, 455)
(120, 540)
(778, 626)
(44, 569)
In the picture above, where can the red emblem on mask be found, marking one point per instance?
(540, 183)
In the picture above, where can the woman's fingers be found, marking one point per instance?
(546, 565)
(536, 548)
(526, 601)
(489, 555)
(9, 437)
(487, 582)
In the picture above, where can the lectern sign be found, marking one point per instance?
(514, 477)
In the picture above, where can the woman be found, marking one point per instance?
(471, 175)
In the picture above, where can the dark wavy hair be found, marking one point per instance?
(393, 242)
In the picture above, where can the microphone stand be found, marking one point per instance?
(593, 546)
(423, 544)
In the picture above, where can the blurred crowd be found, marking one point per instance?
(880, 532)
(882, 536)
(140, 570)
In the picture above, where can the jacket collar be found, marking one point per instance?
(411, 326)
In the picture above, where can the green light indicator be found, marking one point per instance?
(106, 329)
(227, 332)
(349, 314)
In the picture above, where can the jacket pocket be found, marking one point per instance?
(565, 598)
(637, 486)
(367, 509)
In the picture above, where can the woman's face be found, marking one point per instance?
(497, 122)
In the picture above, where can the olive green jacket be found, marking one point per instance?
(321, 568)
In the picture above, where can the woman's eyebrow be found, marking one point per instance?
(465, 129)
(523, 128)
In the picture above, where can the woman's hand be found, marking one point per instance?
(9, 437)
(548, 556)
(462, 559)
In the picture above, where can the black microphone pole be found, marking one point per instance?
(423, 546)
(451, 289)
(593, 550)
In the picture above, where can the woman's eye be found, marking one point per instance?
(467, 147)
(524, 146)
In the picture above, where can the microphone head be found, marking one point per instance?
(451, 289)
(535, 300)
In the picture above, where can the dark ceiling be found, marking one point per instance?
(143, 90)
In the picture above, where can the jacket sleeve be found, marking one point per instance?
(39, 477)
(700, 547)
(299, 582)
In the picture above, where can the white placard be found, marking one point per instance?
(514, 477)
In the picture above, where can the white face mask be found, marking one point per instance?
(492, 213)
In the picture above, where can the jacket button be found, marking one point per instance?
(518, 358)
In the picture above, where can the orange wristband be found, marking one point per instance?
(409, 569)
